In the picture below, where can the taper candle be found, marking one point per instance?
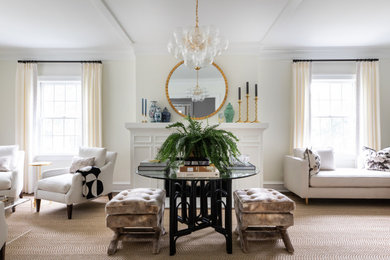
(239, 93)
(143, 106)
(255, 90)
(146, 107)
(247, 87)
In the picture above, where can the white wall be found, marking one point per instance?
(125, 82)
(7, 102)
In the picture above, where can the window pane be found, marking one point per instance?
(333, 115)
(60, 117)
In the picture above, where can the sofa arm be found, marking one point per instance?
(54, 172)
(296, 175)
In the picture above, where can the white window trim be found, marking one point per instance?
(54, 156)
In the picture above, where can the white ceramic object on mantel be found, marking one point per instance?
(145, 140)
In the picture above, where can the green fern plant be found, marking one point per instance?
(194, 141)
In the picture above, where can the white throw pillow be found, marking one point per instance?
(299, 152)
(98, 153)
(79, 162)
(11, 152)
(5, 162)
(327, 159)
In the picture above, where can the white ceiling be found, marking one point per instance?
(120, 26)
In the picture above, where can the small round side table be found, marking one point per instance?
(39, 165)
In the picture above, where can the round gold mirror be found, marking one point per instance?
(197, 93)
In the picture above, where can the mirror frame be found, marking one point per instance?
(203, 117)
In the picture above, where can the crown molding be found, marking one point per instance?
(66, 54)
(325, 53)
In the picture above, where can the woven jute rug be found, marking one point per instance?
(325, 229)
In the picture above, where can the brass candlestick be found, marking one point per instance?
(239, 112)
(256, 121)
(247, 109)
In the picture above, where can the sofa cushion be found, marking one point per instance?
(10, 151)
(350, 177)
(98, 153)
(59, 184)
(5, 164)
(5, 180)
(327, 158)
(314, 161)
(378, 161)
(136, 201)
(260, 200)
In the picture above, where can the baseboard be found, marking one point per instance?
(120, 186)
(276, 185)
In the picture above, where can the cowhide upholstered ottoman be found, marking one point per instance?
(136, 214)
(263, 214)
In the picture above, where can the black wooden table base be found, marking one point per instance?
(212, 190)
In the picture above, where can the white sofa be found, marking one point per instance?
(61, 186)
(11, 182)
(3, 231)
(338, 183)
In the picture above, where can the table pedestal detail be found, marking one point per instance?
(212, 190)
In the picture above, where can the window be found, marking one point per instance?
(333, 114)
(59, 116)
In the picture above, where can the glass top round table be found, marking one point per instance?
(232, 174)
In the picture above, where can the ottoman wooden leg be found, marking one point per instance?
(286, 239)
(114, 242)
(156, 241)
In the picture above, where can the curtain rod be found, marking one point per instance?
(324, 60)
(59, 61)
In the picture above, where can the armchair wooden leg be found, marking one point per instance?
(38, 204)
(21, 195)
(69, 210)
(2, 253)
(307, 201)
(109, 196)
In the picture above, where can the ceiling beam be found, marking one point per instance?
(102, 7)
(286, 12)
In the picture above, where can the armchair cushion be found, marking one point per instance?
(5, 180)
(98, 153)
(10, 151)
(5, 162)
(59, 184)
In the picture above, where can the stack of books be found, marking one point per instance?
(152, 165)
(242, 166)
(197, 172)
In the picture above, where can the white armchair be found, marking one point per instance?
(3, 231)
(11, 183)
(60, 185)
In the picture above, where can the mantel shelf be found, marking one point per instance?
(131, 125)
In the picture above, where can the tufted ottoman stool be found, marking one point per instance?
(136, 214)
(263, 214)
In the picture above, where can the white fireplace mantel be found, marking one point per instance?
(146, 139)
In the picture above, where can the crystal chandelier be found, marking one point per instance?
(197, 94)
(197, 46)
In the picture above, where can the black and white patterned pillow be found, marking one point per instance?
(92, 186)
(314, 161)
(377, 161)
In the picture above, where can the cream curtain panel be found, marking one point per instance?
(26, 80)
(92, 103)
(301, 103)
(368, 91)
